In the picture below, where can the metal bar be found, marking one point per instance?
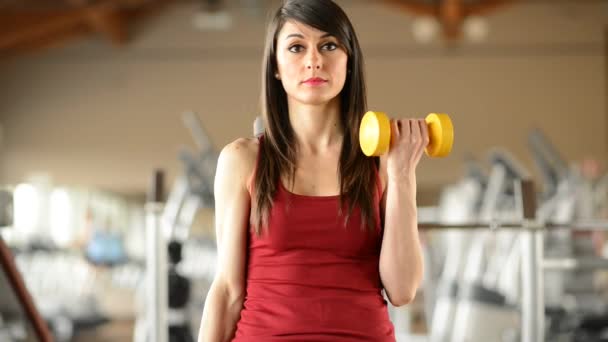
(578, 226)
(466, 226)
(575, 263)
(156, 265)
(200, 136)
(13, 275)
(585, 225)
(175, 202)
(533, 306)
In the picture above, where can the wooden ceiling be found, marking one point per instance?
(31, 25)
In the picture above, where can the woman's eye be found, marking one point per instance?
(330, 46)
(295, 48)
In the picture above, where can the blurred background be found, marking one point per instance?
(97, 94)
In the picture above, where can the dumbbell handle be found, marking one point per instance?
(375, 134)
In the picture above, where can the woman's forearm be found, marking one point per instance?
(221, 314)
(401, 263)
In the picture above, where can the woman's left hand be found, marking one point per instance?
(409, 138)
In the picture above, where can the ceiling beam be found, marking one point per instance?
(451, 16)
(110, 21)
(450, 13)
(414, 7)
(486, 7)
(26, 28)
(22, 27)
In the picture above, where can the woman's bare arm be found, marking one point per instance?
(232, 206)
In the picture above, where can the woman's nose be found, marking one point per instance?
(314, 61)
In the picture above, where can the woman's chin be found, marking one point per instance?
(314, 100)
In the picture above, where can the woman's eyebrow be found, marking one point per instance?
(298, 35)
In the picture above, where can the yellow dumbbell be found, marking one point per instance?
(375, 134)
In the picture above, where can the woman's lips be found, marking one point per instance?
(315, 81)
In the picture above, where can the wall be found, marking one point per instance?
(93, 115)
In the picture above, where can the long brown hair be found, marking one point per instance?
(277, 150)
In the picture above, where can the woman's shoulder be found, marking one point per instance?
(241, 153)
(240, 156)
(242, 148)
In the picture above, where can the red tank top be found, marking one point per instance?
(310, 278)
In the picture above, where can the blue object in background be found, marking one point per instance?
(105, 249)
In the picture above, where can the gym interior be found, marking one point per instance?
(113, 115)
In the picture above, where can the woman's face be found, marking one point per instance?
(311, 63)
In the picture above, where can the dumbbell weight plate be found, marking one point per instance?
(441, 135)
(375, 133)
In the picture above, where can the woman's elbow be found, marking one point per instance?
(232, 291)
(236, 293)
(403, 297)
(405, 292)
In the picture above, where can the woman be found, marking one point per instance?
(310, 230)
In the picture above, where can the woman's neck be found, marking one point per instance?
(317, 128)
